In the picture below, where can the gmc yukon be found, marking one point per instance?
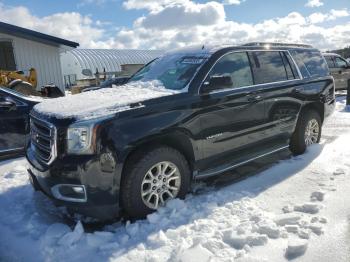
(190, 114)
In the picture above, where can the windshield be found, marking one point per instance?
(174, 71)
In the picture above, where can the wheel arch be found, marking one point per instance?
(316, 106)
(177, 140)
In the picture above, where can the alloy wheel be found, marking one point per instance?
(312, 131)
(161, 183)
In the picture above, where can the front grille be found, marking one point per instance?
(43, 140)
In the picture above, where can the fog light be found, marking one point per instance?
(71, 193)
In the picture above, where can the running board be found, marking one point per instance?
(224, 168)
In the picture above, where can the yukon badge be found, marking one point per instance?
(214, 136)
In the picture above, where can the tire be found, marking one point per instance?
(138, 178)
(299, 142)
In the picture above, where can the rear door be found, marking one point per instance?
(277, 77)
(13, 123)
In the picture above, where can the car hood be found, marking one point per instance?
(102, 102)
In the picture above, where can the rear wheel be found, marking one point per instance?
(153, 179)
(307, 132)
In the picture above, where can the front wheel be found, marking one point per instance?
(307, 132)
(153, 179)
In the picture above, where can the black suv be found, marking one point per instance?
(339, 69)
(190, 114)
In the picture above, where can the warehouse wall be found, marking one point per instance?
(44, 58)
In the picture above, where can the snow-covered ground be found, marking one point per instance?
(297, 208)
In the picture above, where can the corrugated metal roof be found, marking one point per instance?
(112, 59)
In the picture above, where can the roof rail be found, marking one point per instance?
(277, 44)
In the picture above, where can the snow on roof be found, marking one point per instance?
(102, 102)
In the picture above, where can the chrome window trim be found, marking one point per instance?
(246, 87)
(242, 87)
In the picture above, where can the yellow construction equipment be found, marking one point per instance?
(20, 82)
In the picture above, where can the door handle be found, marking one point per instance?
(253, 98)
(296, 91)
(7, 105)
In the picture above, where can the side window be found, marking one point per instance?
(291, 71)
(330, 61)
(237, 66)
(268, 67)
(340, 63)
(311, 63)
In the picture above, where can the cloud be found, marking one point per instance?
(317, 18)
(334, 14)
(69, 25)
(314, 3)
(183, 15)
(181, 23)
(153, 5)
(292, 28)
(233, 2)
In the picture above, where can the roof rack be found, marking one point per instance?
(277, 44)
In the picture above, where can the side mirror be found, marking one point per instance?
(217, 82)
(8, 105)
(86, 72)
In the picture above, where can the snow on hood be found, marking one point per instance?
(102, 102)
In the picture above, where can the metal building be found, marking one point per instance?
(22, 49)
(110, 60)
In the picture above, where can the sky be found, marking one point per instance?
(167, 24)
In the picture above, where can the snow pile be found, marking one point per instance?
(297, 208)
(104, 101)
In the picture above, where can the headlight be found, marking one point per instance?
(80, 139)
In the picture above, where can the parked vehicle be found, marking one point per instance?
(14, 121)
(115, 81)
(190, 114)
(340, 70)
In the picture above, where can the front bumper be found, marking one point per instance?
(101, 185)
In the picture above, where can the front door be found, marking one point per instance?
(341, 73)
(13, 124)
(231, 116)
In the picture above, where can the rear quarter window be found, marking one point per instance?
(310, 63)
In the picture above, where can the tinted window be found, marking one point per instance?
(311, 63)
(268, 67)
(290, 66)
(237, 66)
(330, 61)
(340, 63)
